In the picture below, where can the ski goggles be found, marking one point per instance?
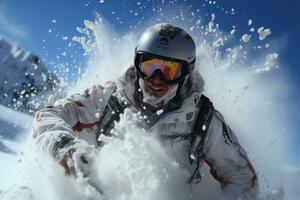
(171, 71)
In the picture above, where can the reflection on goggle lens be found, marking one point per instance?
(169, 69)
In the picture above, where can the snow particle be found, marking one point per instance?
(270, 63)
(232, 31)
(250, 22)
(97, 115)
(218, 43)
(263, 33)
(246, 86)
(246, 38)
(252, 29)
(210, 26)
(232, 11)
(159, 112)
(192, 156)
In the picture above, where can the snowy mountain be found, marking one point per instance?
(23, 76)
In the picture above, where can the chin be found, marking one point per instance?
(155, 94)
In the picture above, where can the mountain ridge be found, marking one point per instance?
(23, 76)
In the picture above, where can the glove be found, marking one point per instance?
(76, 158)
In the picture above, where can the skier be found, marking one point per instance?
(162, 86)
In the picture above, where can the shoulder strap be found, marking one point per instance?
(201, 126)
(110, 114)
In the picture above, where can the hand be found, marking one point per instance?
(77, 159)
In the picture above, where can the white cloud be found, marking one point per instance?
(9, 27)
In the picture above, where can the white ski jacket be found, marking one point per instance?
(57, 125)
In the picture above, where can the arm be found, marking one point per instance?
(54, 127)
(229, 163)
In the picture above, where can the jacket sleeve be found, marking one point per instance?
(55, 126)
(228, 162)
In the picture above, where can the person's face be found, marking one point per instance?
(157, 87)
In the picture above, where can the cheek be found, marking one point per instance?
(146, 86)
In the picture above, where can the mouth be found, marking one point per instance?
(156, 88)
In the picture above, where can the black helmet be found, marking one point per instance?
(166, 42)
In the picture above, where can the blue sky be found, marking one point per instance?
(28, 22)
(39, 26)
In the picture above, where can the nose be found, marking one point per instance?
(156, 79)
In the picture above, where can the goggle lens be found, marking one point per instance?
(169, 69)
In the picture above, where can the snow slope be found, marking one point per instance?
(14, 127)
(12, 124)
